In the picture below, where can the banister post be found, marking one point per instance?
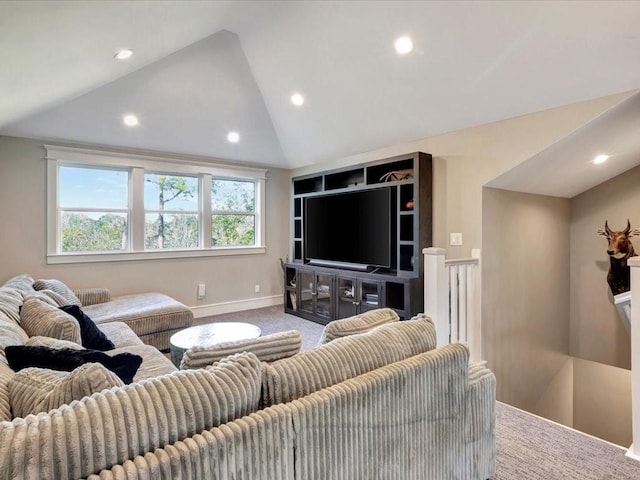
(436, 292)
(475, 342)
(634, 450)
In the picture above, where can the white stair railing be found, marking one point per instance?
(634, 449)
(452, 298)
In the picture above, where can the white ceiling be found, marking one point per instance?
(203, 68)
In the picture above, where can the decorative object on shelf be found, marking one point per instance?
(620, 249)
(294, 304)
(348, 292)
(396, 175)
(410, 204)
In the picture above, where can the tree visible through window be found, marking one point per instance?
(171, 211)
(93, 209)
(233, 216)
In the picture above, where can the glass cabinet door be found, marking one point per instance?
(324, 283)
(370, 295)
(305, 279)
(347, 303)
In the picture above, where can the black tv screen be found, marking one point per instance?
(350, 228)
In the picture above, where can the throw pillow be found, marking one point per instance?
(267, 348)
(39, 341)
(48, 296)
(35, 390)
(10, 302)
(92, 337)
(125, 365)
(357, 324)
(40, 318)
(58, 287)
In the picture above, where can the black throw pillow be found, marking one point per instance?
(92, 337)
(125, 365)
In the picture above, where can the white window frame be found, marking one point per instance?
(138, 164)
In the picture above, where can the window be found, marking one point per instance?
(106, 206)
(233, 212)
(93, 209)
(172, 217)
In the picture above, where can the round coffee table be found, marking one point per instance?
(208, 335)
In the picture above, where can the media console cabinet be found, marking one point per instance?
(322, 293)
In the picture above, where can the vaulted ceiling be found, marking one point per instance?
(201, 69)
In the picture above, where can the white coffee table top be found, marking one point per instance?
(213, 333)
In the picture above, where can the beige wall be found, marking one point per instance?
(464, 161)
(597, 333)
(602, 401)
(228, 278)
(525, 311)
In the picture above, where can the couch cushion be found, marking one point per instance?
(357, 324)
(35, 390)
(154, 362)
(267, 348)
(120, 334)
(344, 358)
(125, 364)
(159, 412)
(145, 313)
(40, 318)
(6, 374)
(92, 337)
(59, 287)
(10, 334)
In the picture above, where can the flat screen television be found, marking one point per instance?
(352, 230)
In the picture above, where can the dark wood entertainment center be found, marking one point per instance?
(322, 293)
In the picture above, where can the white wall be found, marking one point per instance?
(228, 278)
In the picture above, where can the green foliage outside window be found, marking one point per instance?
(233, 219)
(83, 232)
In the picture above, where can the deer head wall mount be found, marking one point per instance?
(619, 249)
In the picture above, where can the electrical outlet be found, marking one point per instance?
(257, 288)
(202, 290)
(455, 239)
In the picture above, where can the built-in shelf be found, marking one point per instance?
(400, 287)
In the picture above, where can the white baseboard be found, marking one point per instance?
(200, 311)
(631, 454)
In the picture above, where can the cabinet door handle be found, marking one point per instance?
(356, 303)
(314, 293)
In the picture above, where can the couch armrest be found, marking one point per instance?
(482, 404)
(91, 296)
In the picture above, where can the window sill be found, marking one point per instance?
(55, 259)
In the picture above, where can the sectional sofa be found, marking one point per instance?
(382, 404)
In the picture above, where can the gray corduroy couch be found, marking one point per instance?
(385, 404)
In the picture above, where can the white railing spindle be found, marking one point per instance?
(452, 298)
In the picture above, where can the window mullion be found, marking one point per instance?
(136, 210)
(260, 205)
(205, 208)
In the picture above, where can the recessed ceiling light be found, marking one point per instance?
(404, 45)
(600, 159)
(233, 137)
(130, 120)
(123, 54)
(297, 99)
